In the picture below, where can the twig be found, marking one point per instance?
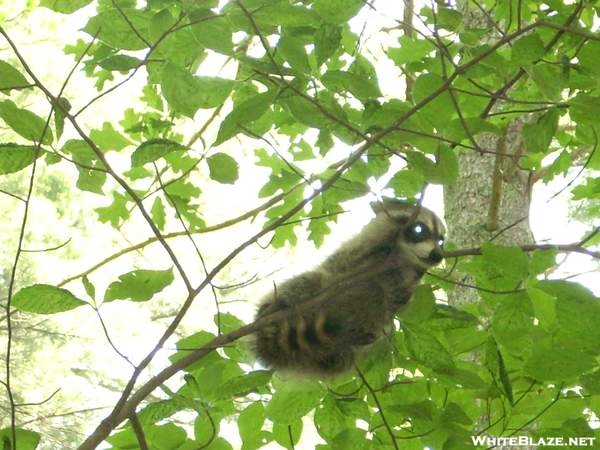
(139, 431)
(379, 408)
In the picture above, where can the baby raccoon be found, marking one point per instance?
(359, 288)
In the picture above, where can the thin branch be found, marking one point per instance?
(408, 30)
(49, 249)
(11, 284)
(41, 402)
(497, 185)
(138, 431)
(227, 223)
(379, 408)
(110, 342)
(191, 239)
(575, 248)
(10, 194)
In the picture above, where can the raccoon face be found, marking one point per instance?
(420, 236)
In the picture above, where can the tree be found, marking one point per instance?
(260, 122)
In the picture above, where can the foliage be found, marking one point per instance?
(300, 117)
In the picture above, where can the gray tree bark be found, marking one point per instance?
(491, 197)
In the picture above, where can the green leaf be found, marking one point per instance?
(285, 14)
(512, 323)
(15, 157)
(59, 115)
(287, 434)
(341, 81)
(26, 439)
(11, 78)
(538, 136)
(542, 260)
(25, 123)
(410, 50)
(449, 19)
(293, 400)
(439, 110)
(158, 213)
(108, 138)
(194, 341)
(330, 420)
(212, 31)
(420, 307)
(337, 11)
(544, 307)
(588, 56)
(549, 80)
(122, 28)
(116, 212)
(528, 49)
(168, 436)
(427, 349)
(584, 108)
(120, 63)
(446, 317)
(65, 6)
(512, 260)
(495, 363)
(223, 168)
(327, 41)
(92, 173)
(353, 438)
(591, 189)
(153, 149)
(443, 171)
(90, 290)
(244, 113)
(45, 299)
(293, 51)
(186, 93)
(407, 183)
(244, 384)
(250, 422)
(139, 285)
(573, 342)
(591, 382)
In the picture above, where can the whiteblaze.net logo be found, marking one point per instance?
(526, 441)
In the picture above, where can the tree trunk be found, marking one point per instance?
(491, 197)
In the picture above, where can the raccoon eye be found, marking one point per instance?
(441, 241)
(418, 232)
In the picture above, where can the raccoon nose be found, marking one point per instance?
(435, 256)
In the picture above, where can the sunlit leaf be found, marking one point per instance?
(186, 93)
(427, 349)
(45, 299)
(25, 123)
(337, 11)
(153, 149)
(123, 28)
(139, 285)
(15, 157)
(11, 78)
(223, 168)
(243, 113)
(293, 400)
(527, 49)
(65, 6)
(26, 439)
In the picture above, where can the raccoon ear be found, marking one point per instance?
(387, 203)
(377, 206)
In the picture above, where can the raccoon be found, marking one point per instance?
(353, 294)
